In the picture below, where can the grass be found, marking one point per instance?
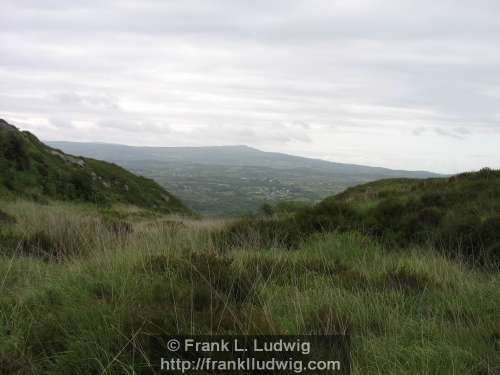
(95, 308)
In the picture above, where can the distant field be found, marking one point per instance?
(82, 290)
(235, 190)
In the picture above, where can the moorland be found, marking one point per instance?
(408, 268)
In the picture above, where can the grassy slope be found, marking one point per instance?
(458, 215)
(30, 169)
(408, 311)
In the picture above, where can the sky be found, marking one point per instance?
(393, 83)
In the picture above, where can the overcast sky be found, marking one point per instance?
(394, 83)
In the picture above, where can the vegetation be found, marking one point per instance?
(30, 169)
(94, 307)
(458, 215)
(93, 275)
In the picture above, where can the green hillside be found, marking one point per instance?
(458, 215)
(31, 169)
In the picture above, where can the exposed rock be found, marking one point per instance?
(4, 125)
(68, 158)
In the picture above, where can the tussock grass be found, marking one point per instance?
(104, 304)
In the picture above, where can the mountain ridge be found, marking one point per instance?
(153, 154)
(234, 180)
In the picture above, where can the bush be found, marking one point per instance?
(327, 216)
(41, 245)
(82, 186)
(206, 270)
(9, 243)
(459, 234)
(489, 230)
(218, 272)
(258, 233)
(433, 199)
(430, 217)
(16, 152)
(5, 218)
(266, 209)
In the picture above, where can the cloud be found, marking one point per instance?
(418, 131)
(286, 75)
(446, 133)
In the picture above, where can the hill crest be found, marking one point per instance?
(31, 169)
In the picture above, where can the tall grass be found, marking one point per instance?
(96, 308)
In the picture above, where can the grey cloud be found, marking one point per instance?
(286, 73)
(135, 126)
(61, 123)
(96, 102)
(446, 133)
(418, 131)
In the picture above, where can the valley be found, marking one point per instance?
(235, 180)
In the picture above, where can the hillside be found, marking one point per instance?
(458, 215)
(31, 169)
(231, 180)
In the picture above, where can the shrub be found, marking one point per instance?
(258, 233)
(290, 207)
(489, 230)
(9, 242)
(12, 362)
(326, 216)
(82, 185)
(266, 209)
(430, 216)
(217, 271)
(390, 210)
(41, 245)
(459, 235)
(433, 199)
(206, 270)
(15, 150)
(5, 218)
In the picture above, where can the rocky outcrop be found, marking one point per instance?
(4, 125)
(68, 158)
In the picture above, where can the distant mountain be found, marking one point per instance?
(226, 156)
(235, 179)
(31, 169)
